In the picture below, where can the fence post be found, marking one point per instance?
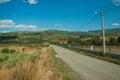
(91, 48)
(109, 49)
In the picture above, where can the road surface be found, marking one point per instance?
(88, 68)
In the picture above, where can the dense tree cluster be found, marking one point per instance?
(53, 36)
(21, 39)
(95, 41)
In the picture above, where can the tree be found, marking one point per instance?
(112, 41)
(118, 40)
(96, 41)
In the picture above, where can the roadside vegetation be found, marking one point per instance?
(31, 62)
(62, 67)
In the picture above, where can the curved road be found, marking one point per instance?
(88, 68)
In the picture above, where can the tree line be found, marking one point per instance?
(96, 41)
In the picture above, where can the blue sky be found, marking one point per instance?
(37, 15)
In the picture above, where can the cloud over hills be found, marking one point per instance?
(26, 27)
(115, 24)
(6, 23)
(11, 24)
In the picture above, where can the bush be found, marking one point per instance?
(7, 50)
(12, 51)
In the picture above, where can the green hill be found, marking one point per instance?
(107, 31)
(50, 35)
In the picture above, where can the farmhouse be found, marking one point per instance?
(63, 41)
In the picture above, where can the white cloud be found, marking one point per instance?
(4, 1)
(19, 27)
(26, 27)
(34, 30)
(6, 23)
(4, 31)
(43, 29)
(63, 29)
(115, 24)
(116, 2)
(58, 24)
(32, 1)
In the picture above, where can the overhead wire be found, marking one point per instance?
(87, 23)
(111, 9)
(92, 19)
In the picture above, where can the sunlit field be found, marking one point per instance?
(31, 62)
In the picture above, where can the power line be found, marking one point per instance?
(111, 9)
(103, 31)
(87, 23)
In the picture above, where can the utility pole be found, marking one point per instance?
(103, 32)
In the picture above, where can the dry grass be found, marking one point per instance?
(42, 68)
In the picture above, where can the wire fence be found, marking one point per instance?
(113, 51)
(109, 49)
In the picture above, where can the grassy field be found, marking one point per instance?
(31, 62)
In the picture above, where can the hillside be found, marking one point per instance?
(51, 36)
(107, 31)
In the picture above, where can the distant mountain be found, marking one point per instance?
(75, 33)
(107, 31)
(51, 35)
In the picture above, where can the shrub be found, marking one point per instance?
(7, 50)
(12, 51)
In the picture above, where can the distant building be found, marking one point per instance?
(46, 44)
(63, 41)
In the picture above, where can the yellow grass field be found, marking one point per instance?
(37, 64)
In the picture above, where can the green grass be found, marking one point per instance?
(11, 60)
(67, 74)
(3, 57)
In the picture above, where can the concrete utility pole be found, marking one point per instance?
(103, 32)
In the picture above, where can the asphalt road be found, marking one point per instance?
(88, 68)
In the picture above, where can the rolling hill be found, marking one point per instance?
(50, 35)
